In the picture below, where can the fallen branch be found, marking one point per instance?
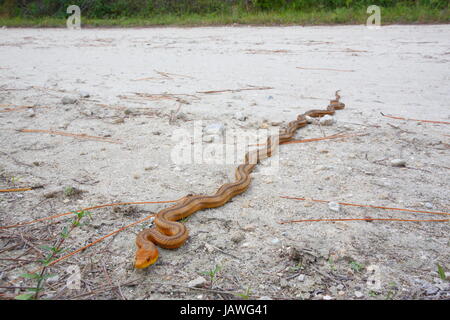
(74, 135)
(263, 51)
(180, 97)
(7, 109)
(167, 74)
(144, 79)
(21, 189)
(418, 120)
(325, 69)
(235, 90)
(363, 219)
(367, 206)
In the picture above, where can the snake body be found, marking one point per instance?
(170, 234)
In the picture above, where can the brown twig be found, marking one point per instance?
(167, 74)
(21, 189)
(67, 134)
(325, 69)
(418, 120)
(264, 51)
(7, 109)
(368, 206)
(364, 219)
(235, 90)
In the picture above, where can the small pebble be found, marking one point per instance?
(237, 237)
(275, 241)
(267, 180)
(398, 163)
(428, 205)
(197, 282)
(333, 206)
(301, 278)
(327, 298)
(117, 121)
(432, 290)
(68, 100)
(326, 120)
(249, 227)
(359, 294)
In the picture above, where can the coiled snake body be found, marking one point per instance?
(168, 233)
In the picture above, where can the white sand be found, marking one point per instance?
(397, 70)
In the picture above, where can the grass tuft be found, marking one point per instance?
(345, 15)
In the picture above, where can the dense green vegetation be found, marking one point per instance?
(210, 12)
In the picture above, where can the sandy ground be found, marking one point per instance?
(145, 84)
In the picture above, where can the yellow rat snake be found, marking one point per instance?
(168, 233)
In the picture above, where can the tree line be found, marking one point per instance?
(142, 8)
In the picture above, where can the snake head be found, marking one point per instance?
(145, 257)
